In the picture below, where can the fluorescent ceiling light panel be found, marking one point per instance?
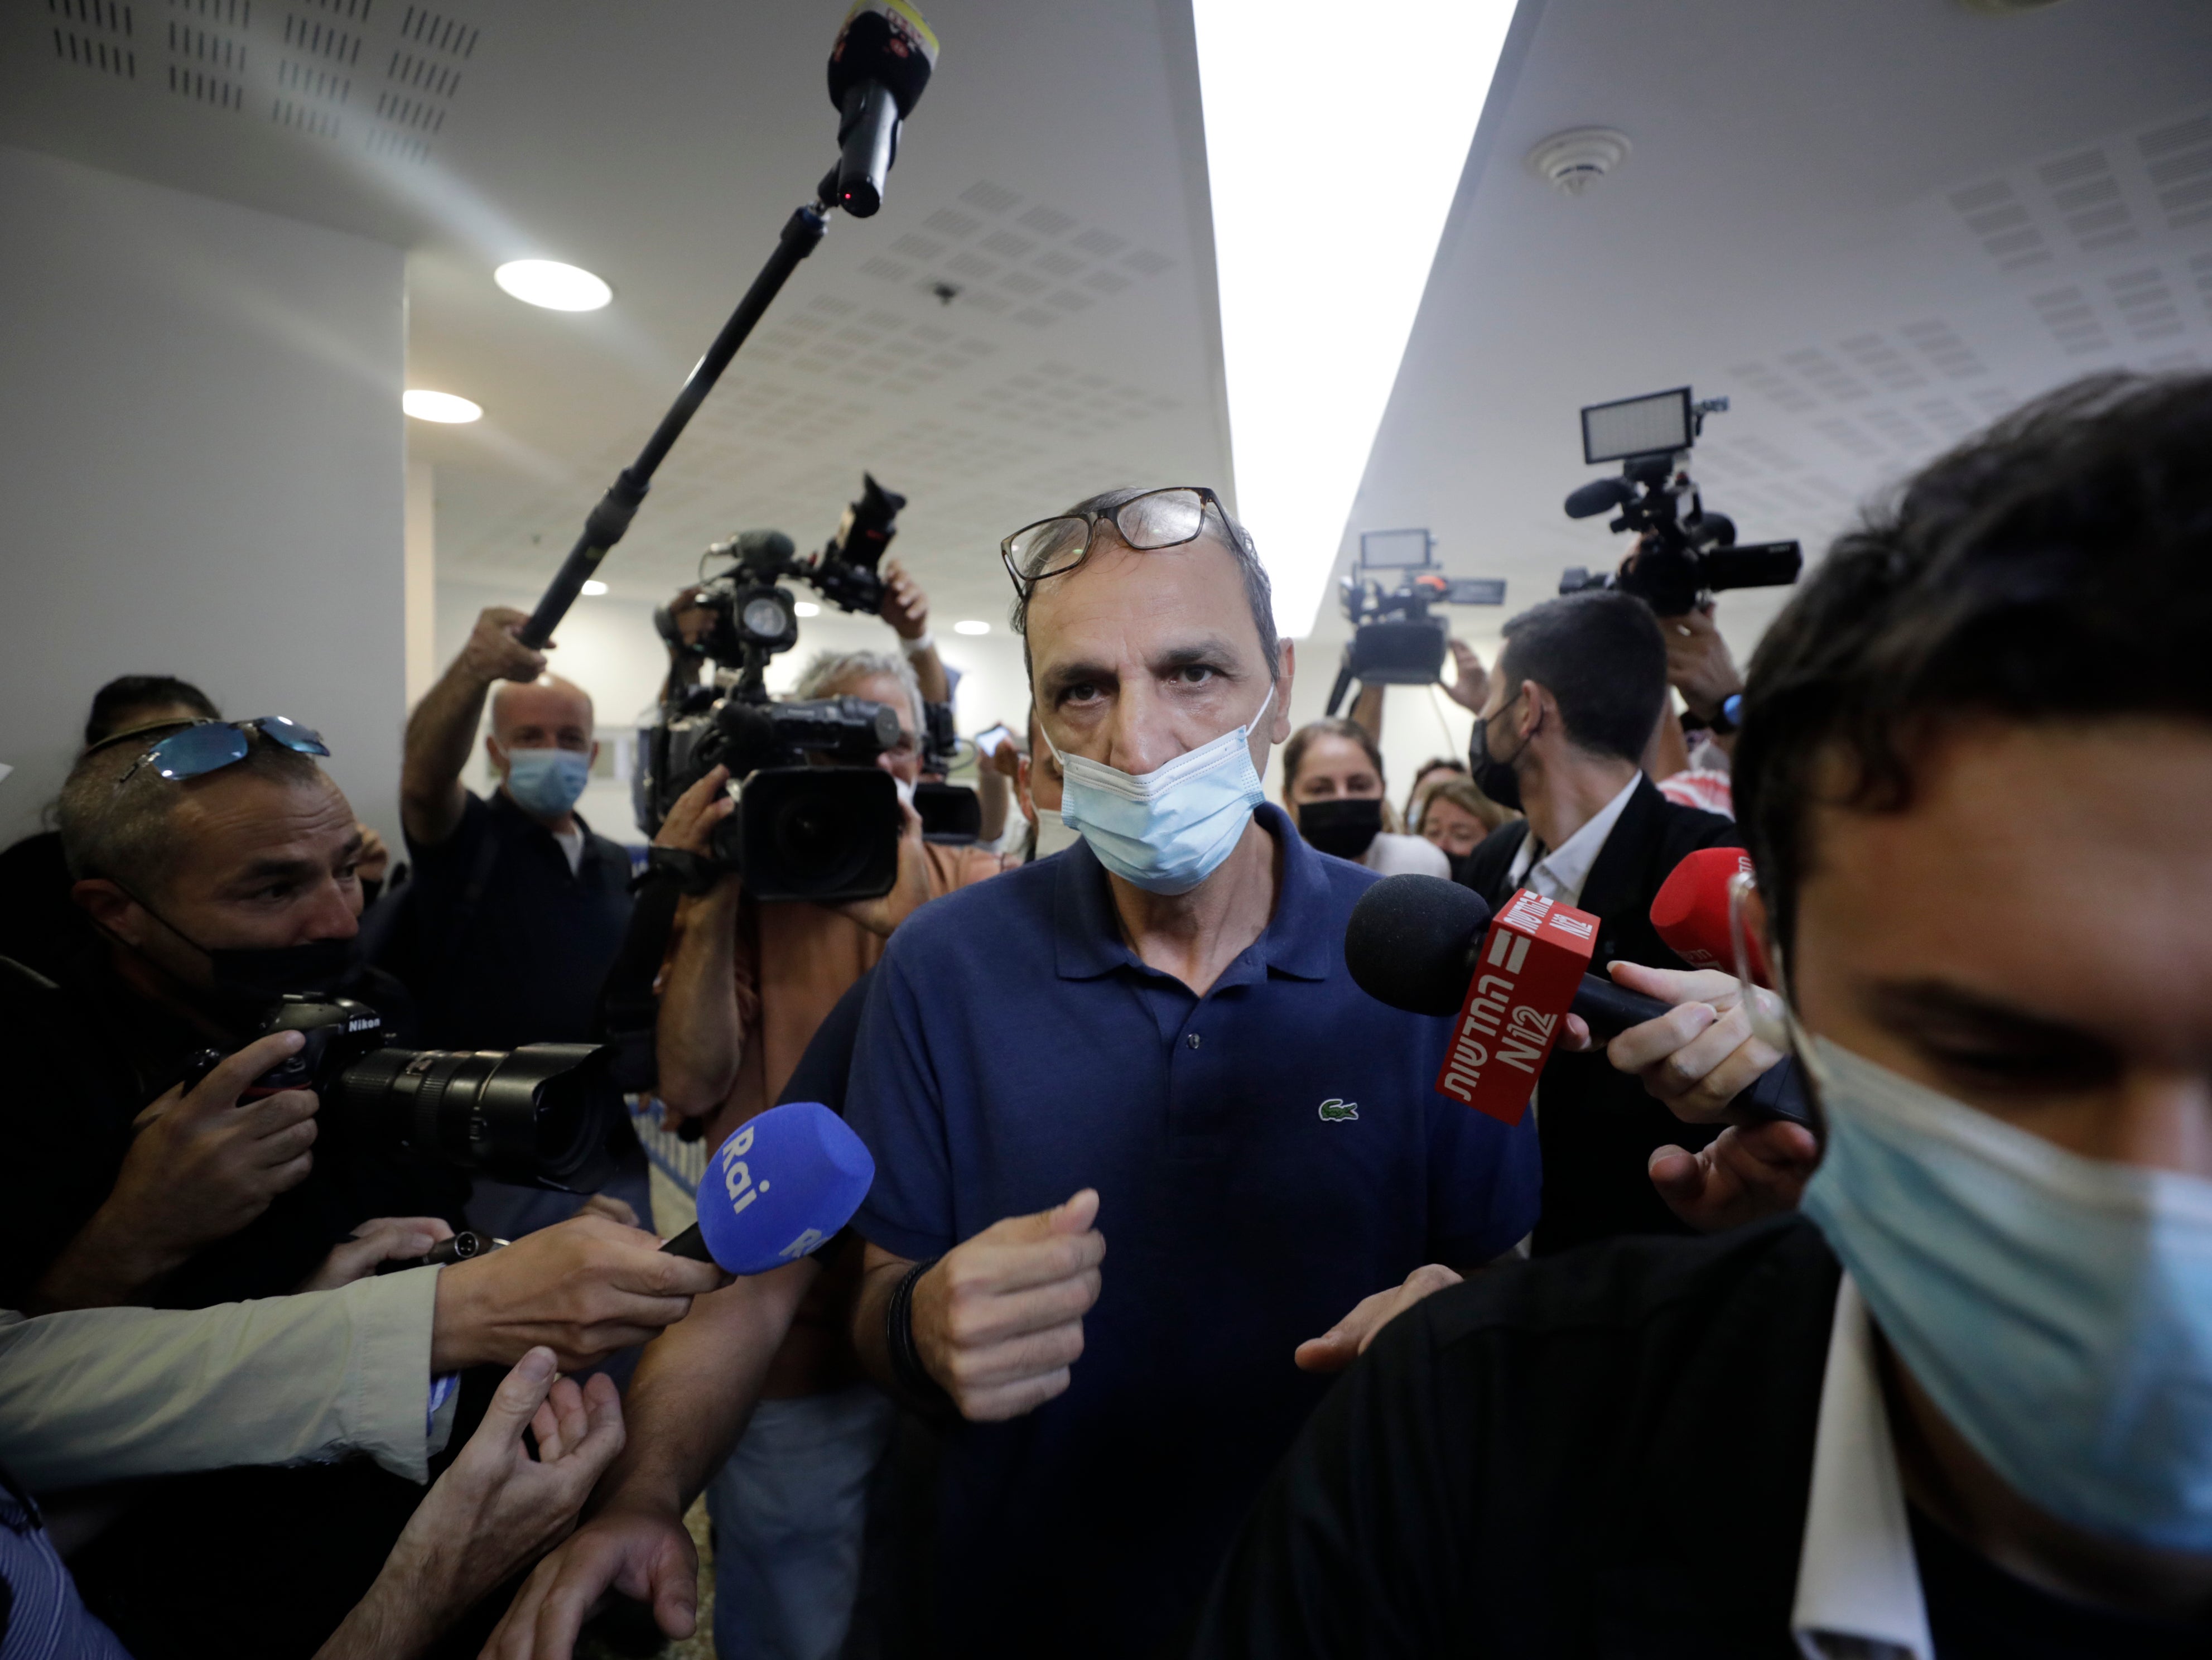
(971, 628)
(593, 587)
(805, 608)
(443, 407)
(550, 283)
(1334, 138)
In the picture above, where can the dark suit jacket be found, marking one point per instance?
(1597, 1125)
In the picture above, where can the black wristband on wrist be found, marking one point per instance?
(913, 1378)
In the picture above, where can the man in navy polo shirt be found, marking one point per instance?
(1159, 1023)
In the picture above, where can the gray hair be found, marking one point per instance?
(1258, 592)
(125, 830)
(830, 673)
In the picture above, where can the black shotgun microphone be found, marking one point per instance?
(878, 69)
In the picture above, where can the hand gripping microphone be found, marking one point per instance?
(1429, 946)
(878, 69)
(779, 1187)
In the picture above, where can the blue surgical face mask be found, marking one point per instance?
(1170, 829)
(2058, 1310)
(546, 783)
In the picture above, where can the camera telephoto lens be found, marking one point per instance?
(543, 1116)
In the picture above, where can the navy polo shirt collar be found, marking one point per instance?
(1299, 940)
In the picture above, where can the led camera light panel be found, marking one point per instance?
(1395, 549)
(1637, 426)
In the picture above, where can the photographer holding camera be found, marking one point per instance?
(746, 986)
(218, 864)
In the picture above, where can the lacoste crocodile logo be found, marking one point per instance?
(1334, 1111)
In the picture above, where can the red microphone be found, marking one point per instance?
(1429, 946)
(1691, 913)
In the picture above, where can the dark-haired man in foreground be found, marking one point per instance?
(1962, 1406)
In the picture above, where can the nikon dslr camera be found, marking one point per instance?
(544, 1115)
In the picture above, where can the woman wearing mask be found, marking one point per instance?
(1333, 789)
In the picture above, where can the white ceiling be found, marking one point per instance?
(1871, 223)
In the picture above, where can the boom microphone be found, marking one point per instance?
(1690, 913)
(786, 1181)
(1429, 946)
(878, 69)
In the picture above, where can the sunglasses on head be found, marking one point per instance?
(200, 747)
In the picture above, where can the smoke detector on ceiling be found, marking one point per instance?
(1574, 160)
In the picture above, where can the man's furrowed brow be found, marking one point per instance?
(1212, 652)
(1059, 677)
(277, 869)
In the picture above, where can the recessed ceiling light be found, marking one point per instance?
(440, 407)
(594, 588)
(971, 628)
(550, 283)
(806, 608)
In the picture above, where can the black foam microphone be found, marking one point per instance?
(1598, 495)
(878, 69)
(1414, 941)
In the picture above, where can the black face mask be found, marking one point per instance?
(1346, 827)
(1493, 776)
(262, 974)
(255, 975)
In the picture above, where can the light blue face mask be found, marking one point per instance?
(1170, 829)
(546, 783)
(2058, 1310)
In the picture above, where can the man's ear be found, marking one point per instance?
(497, 754)
(1022, 795)
(107, 905)
(1279, 728)
(1535, 704)
(593, 753)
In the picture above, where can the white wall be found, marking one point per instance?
(202, 463)
(607, 646)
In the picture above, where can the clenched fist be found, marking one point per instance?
(999, 1320)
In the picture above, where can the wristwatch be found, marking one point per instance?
(1729, 715)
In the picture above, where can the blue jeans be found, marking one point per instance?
(790, 1509)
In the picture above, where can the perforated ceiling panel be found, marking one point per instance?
(371, 74)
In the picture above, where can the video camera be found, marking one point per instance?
(1396, 640)
(815, 818)
(544, 1115)
(1685, 553)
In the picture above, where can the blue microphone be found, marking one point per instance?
(777, 1188)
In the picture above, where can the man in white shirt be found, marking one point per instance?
(1961, 1405)
(1561, 735)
